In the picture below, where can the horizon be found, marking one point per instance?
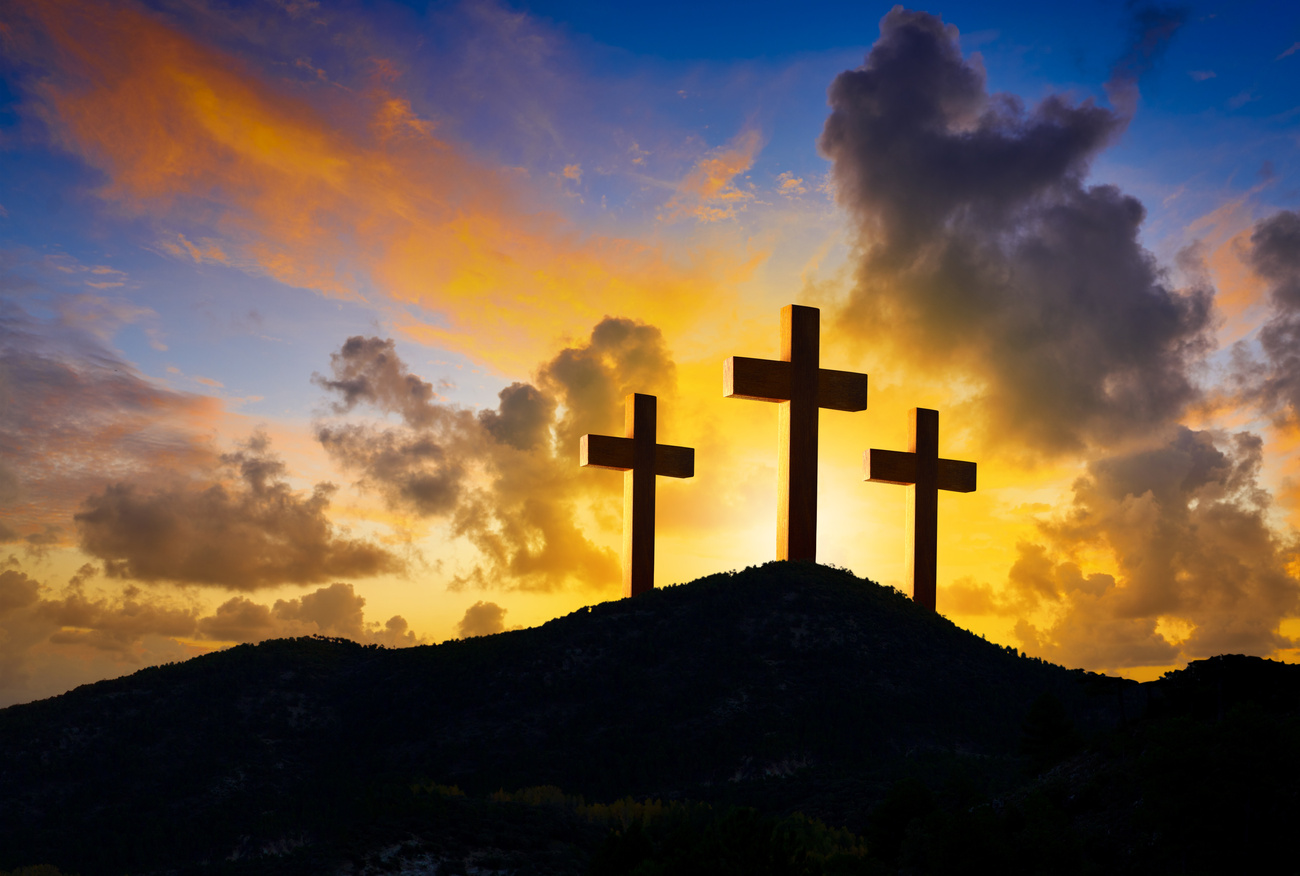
(305, 306)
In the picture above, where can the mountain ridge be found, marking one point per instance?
(789, 687)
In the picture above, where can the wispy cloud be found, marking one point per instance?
(357, 197)
(206, 251)
(790, 185)
(77, 416)
(1151, 27)
(709, 193)
(1240, 99)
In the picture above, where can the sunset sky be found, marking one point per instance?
(305, 305)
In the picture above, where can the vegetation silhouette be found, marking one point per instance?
(790, 718)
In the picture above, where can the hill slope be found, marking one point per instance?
(789, 687)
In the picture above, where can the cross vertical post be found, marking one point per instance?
(639, 496)
(801, 387)
(923, 506)
(797, 421)
(640, 459)
(924, 474)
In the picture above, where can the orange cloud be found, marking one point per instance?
(708, 193)
(355, 193)
(1239, 290)
(1198, 570)
(790, 185)
(209, 251)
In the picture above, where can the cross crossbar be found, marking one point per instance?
(641, 459)
(617, 454)
(924, 474)
(899, 467)
(801, 387)
(769, 380)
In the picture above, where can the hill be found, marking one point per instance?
(739, 700)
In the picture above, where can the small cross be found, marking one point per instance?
(924, 474)
(640, 458)
(801, 387)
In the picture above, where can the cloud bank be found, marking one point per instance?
(255, 531)
(982, 252)
(505, 479)
(52, 639)
(1199, 569)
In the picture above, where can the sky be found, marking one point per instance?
(305, 306)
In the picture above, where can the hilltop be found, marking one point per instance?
(787, 688)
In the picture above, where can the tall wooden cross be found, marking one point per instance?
(640, 458)
(801, 387)
(924, 474)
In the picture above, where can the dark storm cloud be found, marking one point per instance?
(1187, 525)
(983, 254)
(506, 479)
(1275, 256)
(368, 370)
(420, 471)
(255, 532)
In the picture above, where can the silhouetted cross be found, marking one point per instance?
(924, 474)
(640, 458)
(802, 387)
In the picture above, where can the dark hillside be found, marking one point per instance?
(788, 687)
(731, 678)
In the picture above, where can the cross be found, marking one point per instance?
(640, 459)
(801, 387)
(924, 474)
